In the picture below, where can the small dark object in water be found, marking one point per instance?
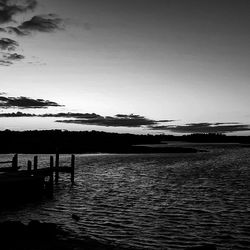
(75, 217)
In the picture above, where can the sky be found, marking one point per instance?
(137, 66)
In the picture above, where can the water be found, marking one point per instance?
(158, 201)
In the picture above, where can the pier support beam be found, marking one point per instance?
(35, 162)
(72, 169)
(29, 166)
(51, 177)
(15, 162)
(57, 169)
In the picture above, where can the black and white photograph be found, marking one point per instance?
(124, 124)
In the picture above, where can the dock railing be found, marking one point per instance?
(33, 170)
(30, 180)
(53, 170)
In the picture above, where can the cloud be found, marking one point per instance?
(119, 120)
(64, 115)
(204, 128)
(225, 123)
(42, 23)
(74, 115)
(92, 119)
(38, 23)
(9, 8)
(17, 114)
(166, 120)
(7, 58)
(122, 120)
(25, 102)
(5, 62)
(8, 44)
(13, 31)
(13, 56)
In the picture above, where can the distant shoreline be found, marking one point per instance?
(129, 150)
(51, 141)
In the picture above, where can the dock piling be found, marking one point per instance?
(57, 169)
(15, 162)
(29, 166)
(35, 162)
(51, 178)
(72, 169)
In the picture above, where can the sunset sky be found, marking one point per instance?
(138, 66)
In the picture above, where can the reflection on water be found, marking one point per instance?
(152, 201)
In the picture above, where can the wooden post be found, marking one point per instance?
(51, 177)
(35, 162)
(15, 162)
(29, 166)
(72, 169)
(57, 168)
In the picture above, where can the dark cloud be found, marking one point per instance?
(225, 123)
(14, 31)
(9, 8)
(17, 114)
(132, 116)
(40, 23)
(127, 116)
(166, 120)
(8, 44)
(25, 102)
(74, 115)
(4, 62)
(13, 57)
(204, 128)
(7, 58)
(64, 115)
(43, 23)
(119, 120)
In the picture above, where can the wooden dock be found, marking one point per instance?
(32, 181)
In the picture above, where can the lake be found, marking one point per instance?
(153, 201)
